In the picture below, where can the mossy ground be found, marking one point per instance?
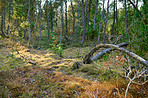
(52, 76)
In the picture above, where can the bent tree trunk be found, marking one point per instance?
(100, 54)
(87, 59)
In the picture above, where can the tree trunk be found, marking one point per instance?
(51, 15)
(100, 54)
(73, 13)
(101, 23)
(9, 16)
(87, 59)
(113, 19)
(48, 23)
(39, 46)
(88, 17)
(106, 21)
(66, 16)
(83, 22)
(62, 22)
(95, 15)
(29, 41)
(126, 15)
(116, 18)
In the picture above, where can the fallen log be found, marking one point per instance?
(87, 59)
(100, 54)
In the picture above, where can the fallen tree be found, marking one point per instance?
(87, 59)
(100, 54)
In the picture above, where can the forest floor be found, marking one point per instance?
(53, 76)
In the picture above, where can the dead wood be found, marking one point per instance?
(100, 54)
(87, 59)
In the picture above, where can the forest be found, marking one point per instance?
(74, 48)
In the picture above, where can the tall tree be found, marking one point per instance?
(101, 23)
(48, 22)
(88, 16)
(29, 24)
(113, 19)
(116, 18)
(106, 21)
(83, 21)
(95, 14)
(62, 22)
(66, 16)
(73, 13)
(39, 46)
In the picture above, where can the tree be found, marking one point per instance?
(101, 23)
(29, 24)
(48, 22)
(106, 21)
(83, 22)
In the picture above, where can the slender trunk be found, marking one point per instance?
(95, 15)
(85, 8)
(113, 19)
(62, 22)
(88, 17)
(39, 46)
(48, 23)
(116, 18)
(83, 23)
(33, 29)
(106, 21)
(73, 13)
(66, 16)
(101, 23)
(126, 15)
(9, 16)
(51, 14)
(4, 18)
(29, 24)
(3, 33)
(135, 7)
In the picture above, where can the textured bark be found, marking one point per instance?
(51, 15)
(88, 17)
(113, 19)
(116, 18)
(9, 16)
(95, 15)
(39, 46)
(29, 25)
(106, 21)
(101, 23)
(83, 21)
(100, 54)
(87, 59)
(66, 17)
(48, 23)
(62, 22)
(73, 13)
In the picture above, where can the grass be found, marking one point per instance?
(54, 77)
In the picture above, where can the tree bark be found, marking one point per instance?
(66, 16)
(48, 23)
(87, 59)
(88, 17)
(39, 46)
(106, 21)
(73, 13)
(62, 22)
(29, 41)
(113, 19)
(83, 22)
(116, 18)
(101, 23)
(95, 15)
(100, 54)
(51, 15)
